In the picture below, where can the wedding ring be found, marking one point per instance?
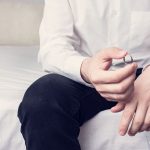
(128, 59)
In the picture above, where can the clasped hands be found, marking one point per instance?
(121, 85)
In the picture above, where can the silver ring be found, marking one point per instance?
(128, 59)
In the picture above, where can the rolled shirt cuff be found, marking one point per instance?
(73, 67)
(145, 66)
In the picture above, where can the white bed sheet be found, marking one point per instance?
(18, 69)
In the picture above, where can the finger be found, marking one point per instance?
(116, 88)
(112, 53)
(127, 116)
(146, 124)
(117, 76)
(148, 129)
(119, 107)
(107, 55)
(138, 119)
(119, 97)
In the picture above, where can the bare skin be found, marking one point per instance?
(137, 111)
(132, 95)
(117, 85)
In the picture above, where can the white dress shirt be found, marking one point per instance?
(72, 30)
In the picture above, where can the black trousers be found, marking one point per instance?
(53, 109)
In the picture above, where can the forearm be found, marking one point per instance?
(59, 45)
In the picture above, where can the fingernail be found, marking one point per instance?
(123, 52)
(140, 130)
(135, 64)
(131, 133)
(148, 129)
(122, 133)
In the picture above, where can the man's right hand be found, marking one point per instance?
(115, 85)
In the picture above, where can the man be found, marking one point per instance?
(80, 39)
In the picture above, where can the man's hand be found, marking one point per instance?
(137, 111)
(113, 85)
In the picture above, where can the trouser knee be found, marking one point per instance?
(47, 95)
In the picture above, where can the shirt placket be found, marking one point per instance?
(113, 22)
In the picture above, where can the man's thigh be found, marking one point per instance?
(76, 99)
(85, 102)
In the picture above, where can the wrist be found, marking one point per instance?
(84, 71)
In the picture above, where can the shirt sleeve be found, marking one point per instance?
(146, 62)
(145, 66)
(59, 44)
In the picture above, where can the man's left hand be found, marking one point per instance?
(136, 113)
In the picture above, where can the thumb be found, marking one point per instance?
(119, 107)
(112, 53)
